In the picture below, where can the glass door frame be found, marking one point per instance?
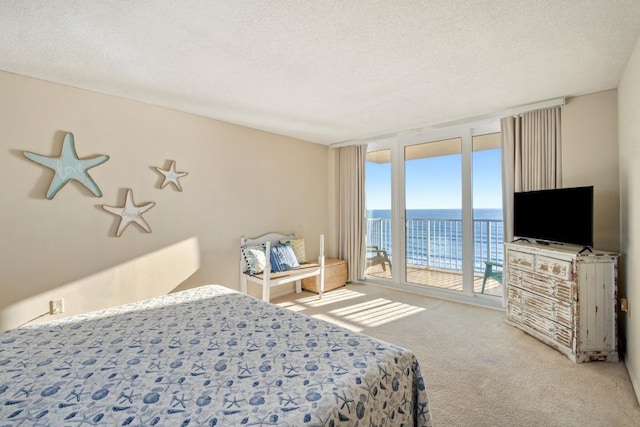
(398, 219)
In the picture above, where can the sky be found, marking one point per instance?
(435, 183)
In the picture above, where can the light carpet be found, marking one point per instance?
(480, 371)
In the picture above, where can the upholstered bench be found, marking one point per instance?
(335, 276)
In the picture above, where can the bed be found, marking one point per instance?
(208, 356)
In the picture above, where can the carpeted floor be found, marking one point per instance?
(480, 371)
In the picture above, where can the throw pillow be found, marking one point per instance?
(255, 258)
(282, 258)
(298, 248)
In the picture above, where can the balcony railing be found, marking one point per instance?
(437, 243)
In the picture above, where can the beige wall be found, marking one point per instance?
(241, 182)
(590, 157)
(629, 132)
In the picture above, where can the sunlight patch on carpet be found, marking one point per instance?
(338, 321)
(332, 297)
(292, 306)
(376, 312)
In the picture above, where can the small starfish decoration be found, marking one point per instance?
(171, 176)
(129, 213)
(68, 166)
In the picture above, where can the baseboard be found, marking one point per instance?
(635, 382)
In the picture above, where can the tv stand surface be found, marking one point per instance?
(557, 246)
(551, 294)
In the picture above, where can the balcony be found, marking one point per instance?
(434, 251)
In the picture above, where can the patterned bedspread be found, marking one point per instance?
(208, 356)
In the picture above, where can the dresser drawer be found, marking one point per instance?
(521, 260)
(554, 333)
(561, 290)
(558, 268)
(552, 309)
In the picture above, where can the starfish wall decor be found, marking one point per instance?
(129, 213)
(171, 176)
(68, 167)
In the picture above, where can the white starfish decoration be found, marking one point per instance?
(68, 166)
(171, 176)
(129, 213)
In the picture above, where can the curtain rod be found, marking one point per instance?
(513, 111)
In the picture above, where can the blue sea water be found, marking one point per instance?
(434, 236)
(495, 214)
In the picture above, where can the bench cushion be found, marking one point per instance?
(254, 258)
(282, 257)
(298, 247)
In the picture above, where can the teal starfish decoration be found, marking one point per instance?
(68, 166)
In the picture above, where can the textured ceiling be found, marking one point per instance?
(324, 71)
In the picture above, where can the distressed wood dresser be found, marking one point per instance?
(565, 299)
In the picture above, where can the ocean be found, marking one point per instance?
(495, 214)
(434, 236)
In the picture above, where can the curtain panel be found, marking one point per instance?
(531, 157)
(351, 209)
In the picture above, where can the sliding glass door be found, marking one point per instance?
(434, 214)
(487, 214)
(378, 200)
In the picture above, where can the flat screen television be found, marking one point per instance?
(563, 215)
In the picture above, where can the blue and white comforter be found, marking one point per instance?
(207, 356)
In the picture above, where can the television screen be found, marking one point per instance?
(563, 215)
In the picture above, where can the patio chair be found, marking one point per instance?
(376, 256)
(490, 272)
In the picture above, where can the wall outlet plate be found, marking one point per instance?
(56, 306)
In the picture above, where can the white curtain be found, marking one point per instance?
(510, 132)
(351, 209)
(531, 157)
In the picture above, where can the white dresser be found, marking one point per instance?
(565, 299)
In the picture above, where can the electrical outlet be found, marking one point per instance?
(56, 306)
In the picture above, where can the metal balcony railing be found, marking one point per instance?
(437, 243)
